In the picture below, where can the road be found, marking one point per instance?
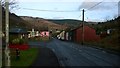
(71, 54)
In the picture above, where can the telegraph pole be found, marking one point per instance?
(7, 51)
(1, 35)
(83, 26)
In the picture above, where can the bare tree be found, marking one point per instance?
(115, 16)
(12, 4)
(107, 18)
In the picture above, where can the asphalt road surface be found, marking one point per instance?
(71, 54)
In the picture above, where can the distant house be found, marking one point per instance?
(107, 32)
(75, 35)
(67, 35)
(17, 33)
(62, 35)
(31, 33)
(44, 33)
(36, 33)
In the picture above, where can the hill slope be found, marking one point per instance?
(29, 22)
(42, 24)
(111, 24)
(68, 22)
(14, 21)
(110, 41)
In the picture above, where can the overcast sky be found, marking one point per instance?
(95, 10)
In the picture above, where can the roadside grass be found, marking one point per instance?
(40, 39)
(27, 57)
(109, 43)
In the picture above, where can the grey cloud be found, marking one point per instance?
(98, 5)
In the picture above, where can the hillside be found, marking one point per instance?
(29, 22)
(14, 21)
(70, 22)
(111, 24)
(42, 24)
(110, 41)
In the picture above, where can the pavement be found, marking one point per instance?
(70, 54)
(45, 58)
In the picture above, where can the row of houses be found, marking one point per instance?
(76, 35)
(28, 34)
(34, 33)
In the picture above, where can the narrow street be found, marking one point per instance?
(71, 54)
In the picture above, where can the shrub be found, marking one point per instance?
(21, 41)
(18, 41)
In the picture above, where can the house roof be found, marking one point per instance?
(18, 30)
(81, 27)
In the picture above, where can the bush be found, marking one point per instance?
(18, 41)
(21, 41)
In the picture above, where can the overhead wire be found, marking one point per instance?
(95, 5)
(51, 10)
(60, 10)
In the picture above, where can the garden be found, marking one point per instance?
(20, 52)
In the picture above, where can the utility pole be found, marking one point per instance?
(83, 26)
(7, 51)
(1, 35)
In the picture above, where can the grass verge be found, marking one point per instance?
(110, 42)
(40, 39)
(109, 48)
(27, 57)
